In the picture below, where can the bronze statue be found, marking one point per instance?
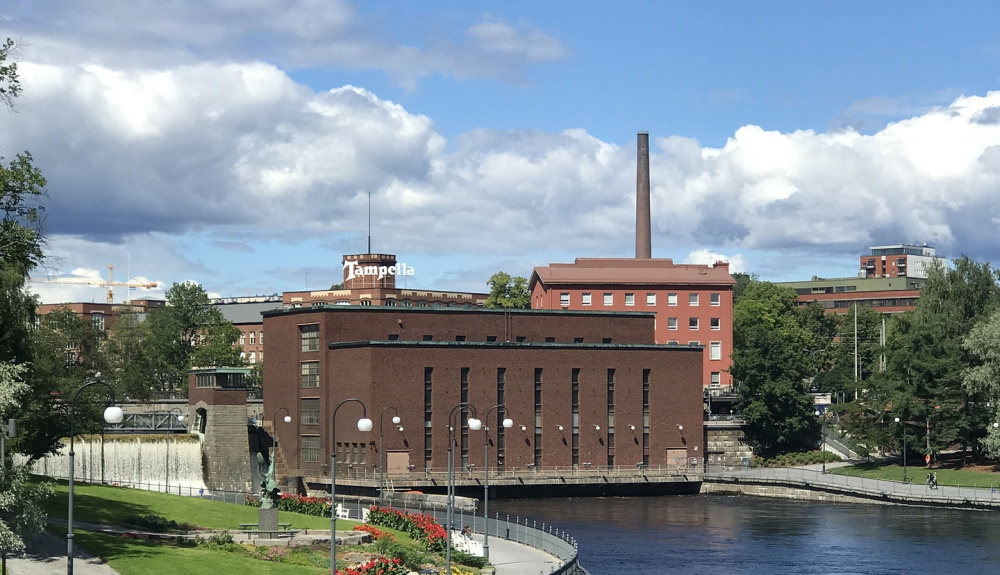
(269, 493)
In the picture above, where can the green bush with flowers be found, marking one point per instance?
(420, 526)
(297, 504)
(377, 566)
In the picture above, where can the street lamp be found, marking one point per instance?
(475, 425)
(166, 472)
(364, 425)
(112, 414)
(905, 478)
(822, 435)
(507, 423)
(381, 465)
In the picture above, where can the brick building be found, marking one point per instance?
(693, 303)
(899, 261)
(583, 388)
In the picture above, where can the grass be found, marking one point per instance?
(111, 505)
(918, 474)
(114, 506)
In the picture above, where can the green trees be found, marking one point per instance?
(21, 187)
(508, 292)
(773, 341)
(152, 357)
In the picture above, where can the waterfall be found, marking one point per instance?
(149, 463)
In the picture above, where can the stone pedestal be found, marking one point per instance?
(267, 519)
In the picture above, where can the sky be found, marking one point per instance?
(247, 145)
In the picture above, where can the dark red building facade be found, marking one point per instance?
(589, 389)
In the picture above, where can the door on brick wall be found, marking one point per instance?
(677, 458)
(397, 462)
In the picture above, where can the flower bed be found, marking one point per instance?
(378, 566)
(420, 526)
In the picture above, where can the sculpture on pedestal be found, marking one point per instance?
(269, 493)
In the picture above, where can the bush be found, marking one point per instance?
(156, 524)
(793, 459)
(420, 526)
(315, 506)
(410, 557)
(466, 559)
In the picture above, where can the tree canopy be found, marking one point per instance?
(508, 292)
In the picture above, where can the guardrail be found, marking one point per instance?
(982, 495)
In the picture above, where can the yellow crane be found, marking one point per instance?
(110, 283)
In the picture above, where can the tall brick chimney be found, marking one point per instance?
(643, 240)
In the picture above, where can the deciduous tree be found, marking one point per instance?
(508, 292)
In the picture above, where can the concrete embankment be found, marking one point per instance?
(814, 485)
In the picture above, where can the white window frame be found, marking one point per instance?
(715, 324)
(650, 299)
(693, 299)
(715, 299)
(694, 323)
(585, 298)
(564, 298)
(672, 323)
(715, 350)
(630, 299)
(671, 299)
(609, 298)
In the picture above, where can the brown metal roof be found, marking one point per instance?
(632, 271)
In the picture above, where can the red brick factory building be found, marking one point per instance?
(591, 390)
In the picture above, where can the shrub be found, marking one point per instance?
(156, 523)
(467, 559)
(315, 506)
(410, 557)
(420, 526)
(378, 566)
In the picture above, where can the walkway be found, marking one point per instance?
(46, 555)
(915, 492)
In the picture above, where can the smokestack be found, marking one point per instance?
(643, 241)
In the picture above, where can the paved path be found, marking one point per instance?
(46, 555)
(510, 558)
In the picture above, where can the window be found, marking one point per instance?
(262, 337)
(715, 299)
(550, 340)
(716, 380)
(715, 350)
(365, 302)
(390, 302)
(253, 338)
(243, 339)
(310, 411)
(564, 299)
(585, 299)
(428, 338)
(309, 448)
(715, 323)
(97, 320)
(651, 299)
(520, 339)
(692, 299)
(310, 374)
(671, 323)
(630, 299)
(310, 337)
(393, 336)
(459, 338)
(671, 299)
(577, 340)
(609, 299)
(692, 323)
(253, 356)
(694, 343)
(491, 338)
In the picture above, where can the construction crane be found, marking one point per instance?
(110, 283)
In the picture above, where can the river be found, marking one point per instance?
(726, 535)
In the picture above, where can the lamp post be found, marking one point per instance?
(166, 472)
(905, 478)
(822, 435)
(475, 425)
(364, 425)
(381, 465)
(274, 423)
(112, 414)
(507, 423)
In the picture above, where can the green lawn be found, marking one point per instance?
(918, 474)
(115, 505)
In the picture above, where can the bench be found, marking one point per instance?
(279, 533)
(251, 526)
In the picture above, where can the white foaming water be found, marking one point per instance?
(146, 464)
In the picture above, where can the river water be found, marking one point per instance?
(725, 535)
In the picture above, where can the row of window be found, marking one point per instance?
(253, 338)
(586, 298)
(694, 323)
(309, 335)
(253, 356)
(390, 302)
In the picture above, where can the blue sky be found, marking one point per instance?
(237, 144)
